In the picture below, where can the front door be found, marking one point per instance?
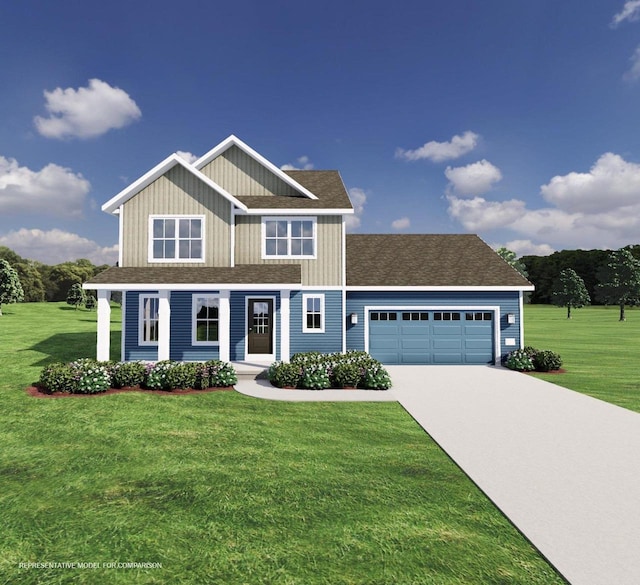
(260, 325)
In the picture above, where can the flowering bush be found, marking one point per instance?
(91, 376)
(529, 359)
(157, 377)
(220, 374)
(519, 360)
(311, 370)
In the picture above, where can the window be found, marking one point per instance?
(446, 316)
(383, 316)
(289, 238)
(176, 239)
(313, 313)
(205, 320)
(415, 316)
(148, 320)
(478, 316)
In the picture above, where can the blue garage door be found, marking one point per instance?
(431, 337)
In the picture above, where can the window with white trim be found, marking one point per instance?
(206, 320)
(148, 320)
(176, 239)
(313, 313)
(289, 237)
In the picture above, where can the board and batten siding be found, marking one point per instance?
(324, 270)
(239, 174)
(508, 302)
(177, 192)
(328, 342)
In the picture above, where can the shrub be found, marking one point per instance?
(285, 375)
(376, 378)
(57, 377)
(347, 374)
(519, 360)
(182, 375)
(92, 378)
(546, 361)
(157, 377)
(315, 378)
(220, 374)
(128, 374)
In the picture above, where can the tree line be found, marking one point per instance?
(41, 282)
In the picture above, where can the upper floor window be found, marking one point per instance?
(289, 237)
(176, 239)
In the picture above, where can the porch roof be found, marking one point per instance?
(166, 276)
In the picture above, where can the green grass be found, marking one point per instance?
(600, 353)
(224, 489)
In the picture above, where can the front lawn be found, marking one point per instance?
(221, 488)
(600, 353)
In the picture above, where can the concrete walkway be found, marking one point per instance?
(563, 467)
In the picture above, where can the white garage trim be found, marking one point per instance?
(457, 308)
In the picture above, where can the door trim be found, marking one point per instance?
(261, 357)
(457, 308)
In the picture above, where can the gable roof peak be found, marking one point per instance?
(233, 140)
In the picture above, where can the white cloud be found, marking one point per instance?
(55, 246)
(188, 156)
(441, 151)
(474, 179)
(633, 73)
(526, 248)
(303, 165)
(86, 112)
(611, 182)
(630, 11)
(401, 224)
(598, 209)
(53, 189)
(358, 199)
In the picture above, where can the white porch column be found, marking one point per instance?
(164, 325)
(104, 326)
(285, 325)
(224, 325)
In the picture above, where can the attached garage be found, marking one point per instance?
(423, 336)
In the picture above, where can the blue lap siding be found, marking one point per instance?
(327, 342)
(507, 301)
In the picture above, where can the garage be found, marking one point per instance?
(415, 336)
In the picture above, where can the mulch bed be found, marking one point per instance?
(35, 392)
(560, 371)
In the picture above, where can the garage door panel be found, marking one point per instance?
(431, 337)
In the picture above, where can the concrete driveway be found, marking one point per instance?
(563, 467)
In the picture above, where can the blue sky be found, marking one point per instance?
(512, 119)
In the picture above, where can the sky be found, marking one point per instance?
(517, 120)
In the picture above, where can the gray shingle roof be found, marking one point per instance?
(327, 186)
(246, 274)
(426, 260)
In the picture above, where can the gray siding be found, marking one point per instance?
(239, 174)
(325, 270)
(176, 192)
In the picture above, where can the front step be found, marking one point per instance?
(250, 370)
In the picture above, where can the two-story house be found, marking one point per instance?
(232, 258)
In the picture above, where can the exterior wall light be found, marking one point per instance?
(353, 318)
(511, 318)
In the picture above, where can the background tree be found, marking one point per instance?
(10, 287)
(90, 302)
(510, 258)
(620, 280)
(569, 291)
(76, 296)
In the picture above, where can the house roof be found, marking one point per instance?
(326, 185)
(153, 277)
(399, 260)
